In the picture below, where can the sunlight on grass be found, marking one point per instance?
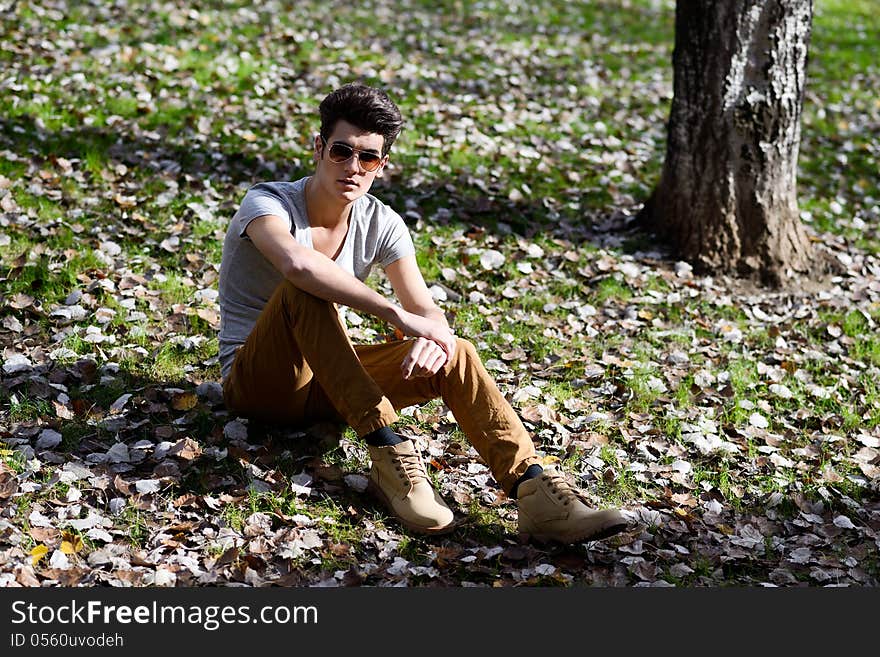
(531, 130)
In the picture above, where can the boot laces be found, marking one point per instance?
(411, 467)
(559, 486)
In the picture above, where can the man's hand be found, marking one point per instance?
(425, 358)
(434, 347)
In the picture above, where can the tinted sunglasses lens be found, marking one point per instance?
(343, 152)
(340, 152)
(369, 161)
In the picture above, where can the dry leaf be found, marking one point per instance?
(125, 201)
(21, 301)
(38, 553)
(184, 401)
(8, 482)
(71, 543)
(62, 412)
(186, 449)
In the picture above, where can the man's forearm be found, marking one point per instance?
(434, 313)
(316, 274)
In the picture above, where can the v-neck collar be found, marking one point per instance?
(303, 224)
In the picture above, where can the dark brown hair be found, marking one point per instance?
(367, 108)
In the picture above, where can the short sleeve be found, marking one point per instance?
(396, 242)
(259, 201)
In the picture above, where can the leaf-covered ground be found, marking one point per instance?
(737, 427)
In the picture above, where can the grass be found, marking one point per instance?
(26, 409)
(522, 121)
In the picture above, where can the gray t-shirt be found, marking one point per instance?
(376, 234)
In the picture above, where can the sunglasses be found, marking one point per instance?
(340, 152)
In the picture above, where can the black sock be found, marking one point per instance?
(531, 472)
(383, 437)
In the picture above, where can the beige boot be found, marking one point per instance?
(550, 510)
(399, 479)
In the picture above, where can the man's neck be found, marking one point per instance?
(322, 211)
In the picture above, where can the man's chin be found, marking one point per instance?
(354, 194)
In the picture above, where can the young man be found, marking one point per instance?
(294, 250)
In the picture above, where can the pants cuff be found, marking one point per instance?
(508, 480)
(385, 418)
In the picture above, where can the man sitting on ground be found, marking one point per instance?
(294, 250)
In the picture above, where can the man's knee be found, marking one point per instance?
(289, 291)
(295, 300)
(465, 346)
(464, 351)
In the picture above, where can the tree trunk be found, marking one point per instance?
(727, 195)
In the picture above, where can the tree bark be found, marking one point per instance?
(727, 196)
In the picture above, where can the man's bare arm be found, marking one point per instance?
(315, 273)
(427, 355)
(411, 289)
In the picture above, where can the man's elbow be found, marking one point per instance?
(293, 269)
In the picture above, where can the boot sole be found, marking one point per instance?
(605, 532)
(377, 492)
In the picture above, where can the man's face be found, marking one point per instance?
(347, 180)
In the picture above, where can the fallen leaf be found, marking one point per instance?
(125, 201)
(62, 411)
(8, 482)
(38, 553)
(491, 259)
(186, 449)
(184, 401)
(71, 543)
(843, 522)
(21, 301)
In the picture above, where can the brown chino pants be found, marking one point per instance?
(298, 367)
